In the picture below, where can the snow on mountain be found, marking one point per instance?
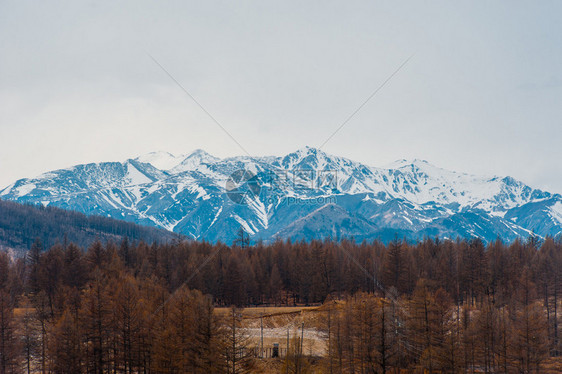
(192, 161)
(161, 160)
(135, 176)
(421, 182)
(556, 212)
(25, 189)
(306, 194)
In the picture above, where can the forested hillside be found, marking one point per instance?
(437, 306)
(22, 224)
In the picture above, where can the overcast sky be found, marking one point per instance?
(482, 93)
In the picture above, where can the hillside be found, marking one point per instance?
(21, 224)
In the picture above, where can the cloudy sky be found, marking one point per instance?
(481, 94)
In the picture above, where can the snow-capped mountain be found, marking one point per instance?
(303, 195)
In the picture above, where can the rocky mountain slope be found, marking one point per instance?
(303, 195)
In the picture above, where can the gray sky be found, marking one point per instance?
(482, 94)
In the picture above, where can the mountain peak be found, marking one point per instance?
(409, 162)
(194, 159)
(308, 150)
(202, 156)
(199, 152)
(167, 161)
(160, 159)
(306, 158)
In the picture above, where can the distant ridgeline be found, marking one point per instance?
(305, 195)
(22, 224)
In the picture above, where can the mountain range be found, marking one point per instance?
(307, 194)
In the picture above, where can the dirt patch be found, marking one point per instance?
(278, 322)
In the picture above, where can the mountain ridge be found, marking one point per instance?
(197, 194)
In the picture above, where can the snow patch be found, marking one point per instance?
(135, 176)
(259, 209)
(25, 189)
(244, 224)
(201, 193)
(216, 217)
(496, 213)
(556, 211)
(7, 190)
